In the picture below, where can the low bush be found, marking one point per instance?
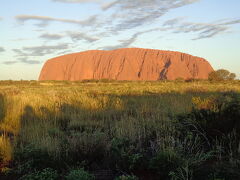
(30, 159)
(164, 162)
(125, 156)
(45, 174)
(79, 174)
(126, 177)
(215, 116)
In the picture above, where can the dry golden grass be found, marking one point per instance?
(37, 112)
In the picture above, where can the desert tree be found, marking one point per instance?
(221, 75)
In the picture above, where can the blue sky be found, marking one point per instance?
(33, 31)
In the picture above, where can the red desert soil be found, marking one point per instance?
(126, 64)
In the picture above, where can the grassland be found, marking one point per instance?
(146, 130)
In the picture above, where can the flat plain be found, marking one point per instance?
(146, 130)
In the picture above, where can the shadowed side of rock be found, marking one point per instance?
(126, 64)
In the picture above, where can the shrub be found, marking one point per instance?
(126, 177)
(216, 116)
(215, 121)
(125, 156)
(179, 79)
(221, 75)
(30, 159)
(87, 146)
(78, 174)
(45, 174)
(165, 162)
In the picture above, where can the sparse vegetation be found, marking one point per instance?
(128, 130)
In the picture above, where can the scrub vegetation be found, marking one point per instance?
(170, 130)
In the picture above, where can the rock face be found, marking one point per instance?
(126, 64)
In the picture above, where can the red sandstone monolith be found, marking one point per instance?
(126, 64)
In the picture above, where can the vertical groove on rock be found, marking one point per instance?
(141, 66)
(110, 61)
(71, 68)
(97, 67)
(121, 67)
(64, 69)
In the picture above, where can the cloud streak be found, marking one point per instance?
(76, 1)
(105, 5)
(77, 36)
(9, 62)
(141, 11)
(2, 49)
(128, 42)
(45, 20)
(73, 35)
(108, 5)
(22, 60)
(25, 55)
(51, 36)
(25, 60)
(132, 14)
(202, 30)
(43, 50)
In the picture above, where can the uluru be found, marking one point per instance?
(126, 64)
